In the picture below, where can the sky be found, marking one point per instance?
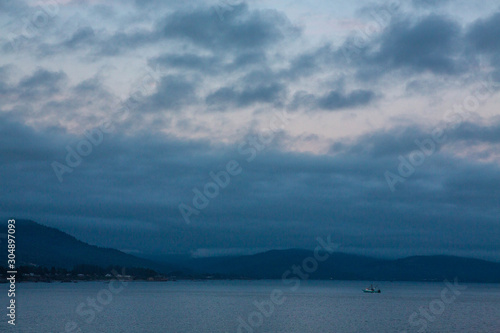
(229, 127)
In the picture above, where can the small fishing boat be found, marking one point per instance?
(371, 290)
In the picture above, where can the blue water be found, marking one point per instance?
(230, 306)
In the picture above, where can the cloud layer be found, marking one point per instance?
(380, 129)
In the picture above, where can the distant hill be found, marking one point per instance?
(341, 266)
(40, 245)
(44, 246)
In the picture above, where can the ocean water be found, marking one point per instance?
(253, 306)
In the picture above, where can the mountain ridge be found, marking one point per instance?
(41, 245)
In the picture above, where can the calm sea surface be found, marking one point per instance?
(252, 306)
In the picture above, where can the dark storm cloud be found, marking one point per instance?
(45, 96)
(254, 66)
(122, 42)
(40, 84)
(279, 200)
(381, 144)
(255, 82)
(476, 133)
(333, 100)
(249, 58)
(13, 7)
(91, 86)
(210, 64)
(257, 86)
(241, 28)
(402, 141)
(260, 94)
(188, 61)
(236, 44)
(429, 3)
(4, 78)
(309, 62)
(77, 100)
(431, 44)
(409, 45)
(133, 181)
(24, 145)
(81, 36)
(172, 93)
(147, 5)
(248, 88)
(241, 31)
(483, 34)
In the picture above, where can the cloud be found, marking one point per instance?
(261, 94)
(173, 92)
(429, 3)
(429, 44)
(333, 100)
(281, 199)
(383, 144)
(13, 7)
(83, 37)
(46, 98)
(253, 87)
(213, 65)
(250, 60)
(310, 62)
(402, 141)
(241, 28)
(432, 44)
(242, 31)
(188, 61)
(474, 133)
(41, 84)
(4, 78)
(483, 34)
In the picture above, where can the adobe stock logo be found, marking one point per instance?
(436, 307)
(292, 277)
(416, 158)
(211, 190)
(33, 23)
(83, 148)
(454, 118)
